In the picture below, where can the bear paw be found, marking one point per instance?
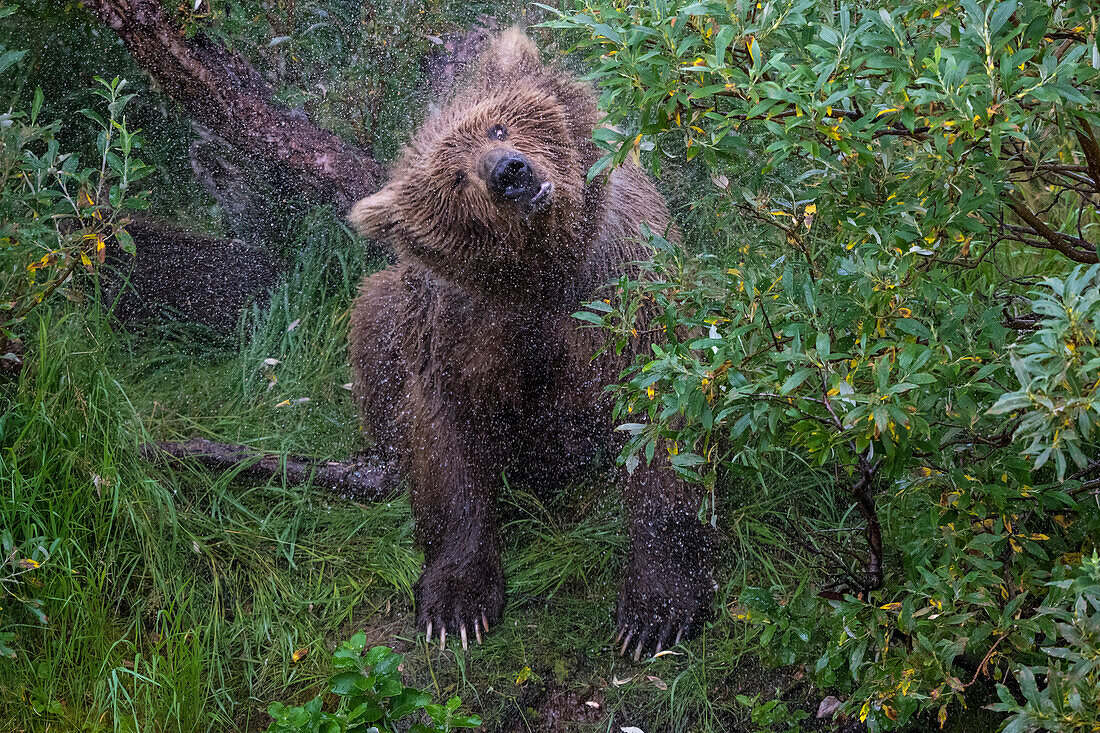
(460, 598)
(667, 589)
(658, 609)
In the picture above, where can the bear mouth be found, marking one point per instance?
(541, 198)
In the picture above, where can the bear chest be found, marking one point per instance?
(515, 358)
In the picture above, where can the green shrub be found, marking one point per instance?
(18, 584)
(56, 215)
(371, 699)
(1070, 699)
(902, 191)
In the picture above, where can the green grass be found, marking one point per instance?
(176, 597)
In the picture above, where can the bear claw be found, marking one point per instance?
(628, 633)
(478, 625)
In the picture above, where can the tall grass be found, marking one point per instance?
(176, 598)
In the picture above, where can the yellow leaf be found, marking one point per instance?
(891, 607)
(523, 676)
(886, 111)
(299, 654)
(811, 209)
(942, 716)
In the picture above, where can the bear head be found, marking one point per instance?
(491, 191)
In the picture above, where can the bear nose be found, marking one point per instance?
(512, 177)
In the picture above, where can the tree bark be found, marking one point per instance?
(221, 90)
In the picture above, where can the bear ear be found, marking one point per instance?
(378, 215)
(511, 54)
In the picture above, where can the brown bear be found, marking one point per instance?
(467, 361)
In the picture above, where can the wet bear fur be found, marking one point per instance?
(468, 363)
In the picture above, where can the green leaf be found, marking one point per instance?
(1028, 687)
(8, 58)
(795, 380)
(589, 317)
(912, 327)
(722, 42)
(36, 105)
(345, 682)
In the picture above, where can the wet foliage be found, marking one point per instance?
(880, 299)
(57, 211)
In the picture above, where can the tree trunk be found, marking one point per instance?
(183, 276)
(221, 90)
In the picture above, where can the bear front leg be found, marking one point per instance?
(461, 589)
(667, 587)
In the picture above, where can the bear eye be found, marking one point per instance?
(498, 132)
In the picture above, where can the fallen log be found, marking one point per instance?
(362, 478)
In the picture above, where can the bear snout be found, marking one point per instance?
(511, 176)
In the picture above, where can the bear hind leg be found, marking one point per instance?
(667, 587)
